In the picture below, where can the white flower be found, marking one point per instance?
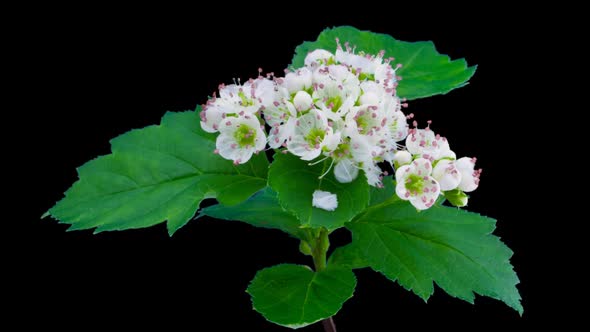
(367, 66)
(324, 200)
(299, 80)
(302, 101)
(364, 149)
(397, 126)
(425, 143)
(237, 100)
(317, 57)
(281, 132)
(239, 138)
(359, 62)
(341, 108)
(336, 90)
(446, 174)
(366, 119)
(372, 93)
(212, 114)
(310, 131)
(469, 176)
(401, 158)
(445, 150)
(415, 184)
(280, 116)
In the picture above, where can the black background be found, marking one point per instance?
(101, 72)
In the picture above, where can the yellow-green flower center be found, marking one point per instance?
(315, 136)
(245, 100)
(245, 136)
(335, 102)
(343, 150)
(415, 184)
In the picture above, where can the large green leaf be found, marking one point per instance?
(452, 247)
(155, 174)
(348, 256)
(261, 210)
(295, 296)
(295, 181)
(425, 72)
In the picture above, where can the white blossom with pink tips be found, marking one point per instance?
(341, 109)
(415, 184)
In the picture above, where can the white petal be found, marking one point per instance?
(401, 191)
(372, 173)
(227, 145)
(229, 92)
(369, 98)
(331, 141)
(274, 114)
(316, 56)
(298, 144)
(447, 175)
(419, 142)
(311, 154)
(346, 171)
(324, 200)
(365, 147)
(384, 72)
(424, 142)
(401, 158)
(260, 140)
(279, 134)
(422, 167)
(264, 89)
(398, 125)
(211, 116)
(299, 80)
(428, 197)
(302, 101)
(347, 106)
(227, 148)
(402, 173)
(444, 150)
(447, 154)
(469, 181)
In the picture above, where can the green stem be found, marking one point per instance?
(319, 248)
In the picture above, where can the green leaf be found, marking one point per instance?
(155, 174)
(348, 256)
(295, 296)
(425, 72)
(381, 195)
(452, 247)
(295, 181)
(261, 210)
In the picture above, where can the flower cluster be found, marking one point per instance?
(342, 108)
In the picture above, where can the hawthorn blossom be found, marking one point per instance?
(469, 176)
(239, 138)
(415, 184)
(447, 174)
(311, 131)
(342, 109)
